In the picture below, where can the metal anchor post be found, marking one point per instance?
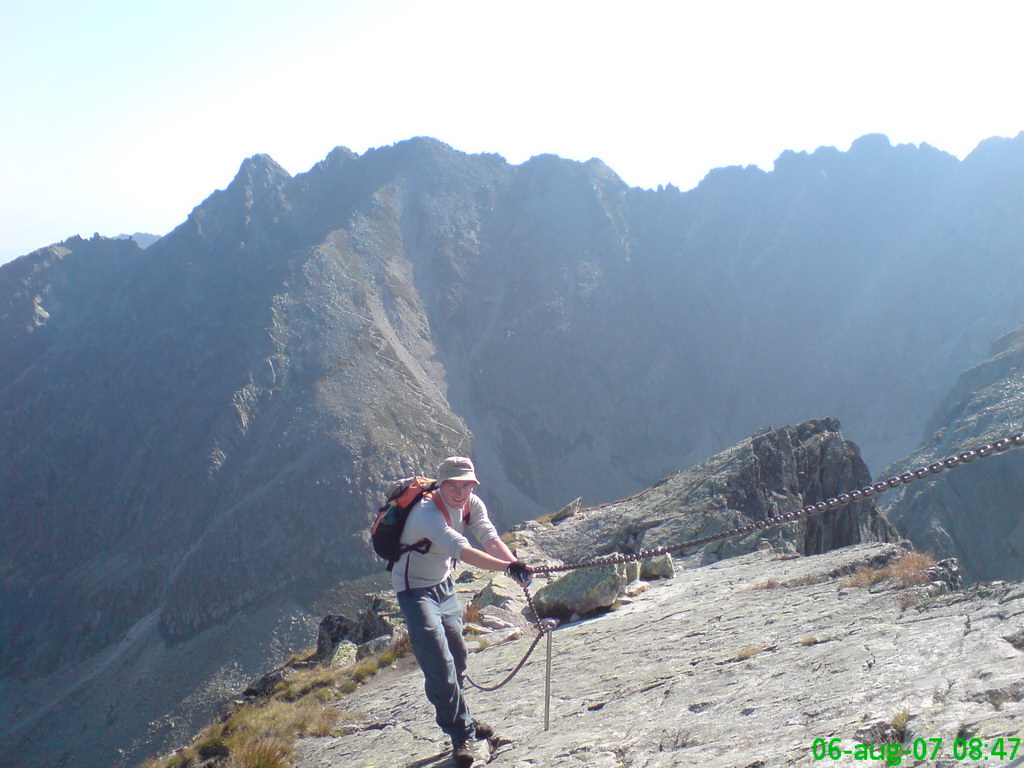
(549, 626)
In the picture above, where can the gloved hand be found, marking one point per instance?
(520, 571)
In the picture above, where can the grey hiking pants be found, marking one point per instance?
(434, 618)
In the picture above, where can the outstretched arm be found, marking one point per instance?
(517, 569)
(478, 559)
(498, 548)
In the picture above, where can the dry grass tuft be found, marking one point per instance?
(262, 753)
(909, 570)
(364, 670)
(900, 719)
(212, 742)
(748, 653)
(180, 759)
(912, 568)
(306, 681)
(301, 657)
(279, 721)
(864, 577)
(799, 581)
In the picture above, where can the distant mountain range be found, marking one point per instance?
(192, 435)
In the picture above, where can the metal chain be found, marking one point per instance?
(543, 627)
(965, 457)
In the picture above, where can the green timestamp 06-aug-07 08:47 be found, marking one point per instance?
(974, 749)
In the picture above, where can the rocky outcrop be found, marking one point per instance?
(773, 472)
(972, 513)
(758, 660)
(341, 639)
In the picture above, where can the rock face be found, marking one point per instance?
(192, 435)
(757, 660)
(972, 513)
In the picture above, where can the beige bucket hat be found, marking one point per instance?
(456, 468)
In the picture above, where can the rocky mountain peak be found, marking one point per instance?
(336, 159)
(870, 145)
(260, 164)
(245, 211)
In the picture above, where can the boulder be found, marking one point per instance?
(493, 617)
(498, 592)
(658, 567)
(343, 654)
(583, 592)
(945, 575)
(334, 630)
(777, 470)
(381, 616)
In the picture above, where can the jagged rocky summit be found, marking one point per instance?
(775, 471)
(761, 660)
(975, 513)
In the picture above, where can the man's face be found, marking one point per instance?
(455, 493)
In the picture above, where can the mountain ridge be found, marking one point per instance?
(199, 428)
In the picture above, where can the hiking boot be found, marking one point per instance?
(463, 755)
(483, 730)
(467, 754)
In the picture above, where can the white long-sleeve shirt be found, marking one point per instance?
(426, 521)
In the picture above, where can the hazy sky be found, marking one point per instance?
(122, 115)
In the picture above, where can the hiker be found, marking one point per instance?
(426, 593)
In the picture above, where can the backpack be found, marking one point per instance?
(386, 533)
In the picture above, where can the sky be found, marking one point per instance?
(120, 116)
